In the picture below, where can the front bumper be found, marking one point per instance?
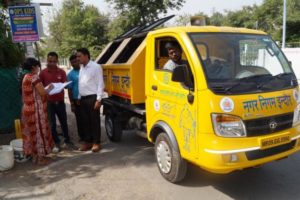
(224, 161)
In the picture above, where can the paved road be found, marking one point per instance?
(127, 170)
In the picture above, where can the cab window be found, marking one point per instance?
(169, 54)
(161, 52)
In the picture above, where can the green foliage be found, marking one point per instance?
(11, 55)
(10, 99)
(216, 19)
(292, 32)
(241, 18)
(116, 27)
(293, 21)
(75, 26)
(183, 20)
(267, 17)
(135, 12)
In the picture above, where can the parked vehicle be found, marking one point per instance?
(234, 105)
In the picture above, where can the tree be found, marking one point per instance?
(242, 18)
(217, 19)
(116, 27)
(269, 17)
(138, 12)
(266, 17)
(293, 21)
(183, 20)
(75, 26)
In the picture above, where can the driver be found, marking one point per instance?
(174, 52)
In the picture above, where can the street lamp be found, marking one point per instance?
(284, 24)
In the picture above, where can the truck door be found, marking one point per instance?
(169, 99)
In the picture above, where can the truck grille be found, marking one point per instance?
(257, 154)
(261, 126)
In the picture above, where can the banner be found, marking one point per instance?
(24, 25)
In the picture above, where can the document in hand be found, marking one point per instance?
(58, 87)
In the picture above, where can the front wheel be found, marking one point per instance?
(170, 164)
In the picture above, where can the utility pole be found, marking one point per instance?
(284, 24)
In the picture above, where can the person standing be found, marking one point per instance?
(56, 104)
(36, 135)
(91, 89)
(73, 76)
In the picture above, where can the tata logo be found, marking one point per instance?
(273, 125)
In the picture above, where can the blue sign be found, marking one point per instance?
(24, 24)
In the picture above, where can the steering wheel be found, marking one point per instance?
(243, 74)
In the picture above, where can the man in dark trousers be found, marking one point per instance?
(91, 88)
(73, 76)
(56, 104)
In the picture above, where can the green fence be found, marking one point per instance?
(10, 99)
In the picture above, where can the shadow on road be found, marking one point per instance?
(85, 165)
(276, 180)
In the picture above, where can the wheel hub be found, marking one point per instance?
(163, 154)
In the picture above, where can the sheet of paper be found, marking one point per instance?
(58, 87)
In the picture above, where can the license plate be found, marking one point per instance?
(274, 141)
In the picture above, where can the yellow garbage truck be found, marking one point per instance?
(233, 104)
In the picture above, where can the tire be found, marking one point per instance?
(170, 164)
(113, 128)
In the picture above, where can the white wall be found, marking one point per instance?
(293, 55)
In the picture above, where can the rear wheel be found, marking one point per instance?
(170, 164)
(113, 128)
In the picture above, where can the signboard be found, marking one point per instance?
(24, 25)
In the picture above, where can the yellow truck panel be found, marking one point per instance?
(126, 80)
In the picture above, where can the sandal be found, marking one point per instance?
(43, 161)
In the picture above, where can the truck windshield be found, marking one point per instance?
(242, 63)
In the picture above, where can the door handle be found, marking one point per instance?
(154, 87)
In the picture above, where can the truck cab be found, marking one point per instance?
(232, 104)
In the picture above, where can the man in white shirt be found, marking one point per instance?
(174, 52)
(91, 88)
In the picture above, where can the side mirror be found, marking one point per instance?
(178, 74)
(290, 63)
(182, 74)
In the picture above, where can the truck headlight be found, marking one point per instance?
(228, 125)
(296, 119)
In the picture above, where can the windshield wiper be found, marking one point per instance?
(278, 76)
(251, 83)
(281, 75)
(259, 76)
(228, 89)
(246, 79)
